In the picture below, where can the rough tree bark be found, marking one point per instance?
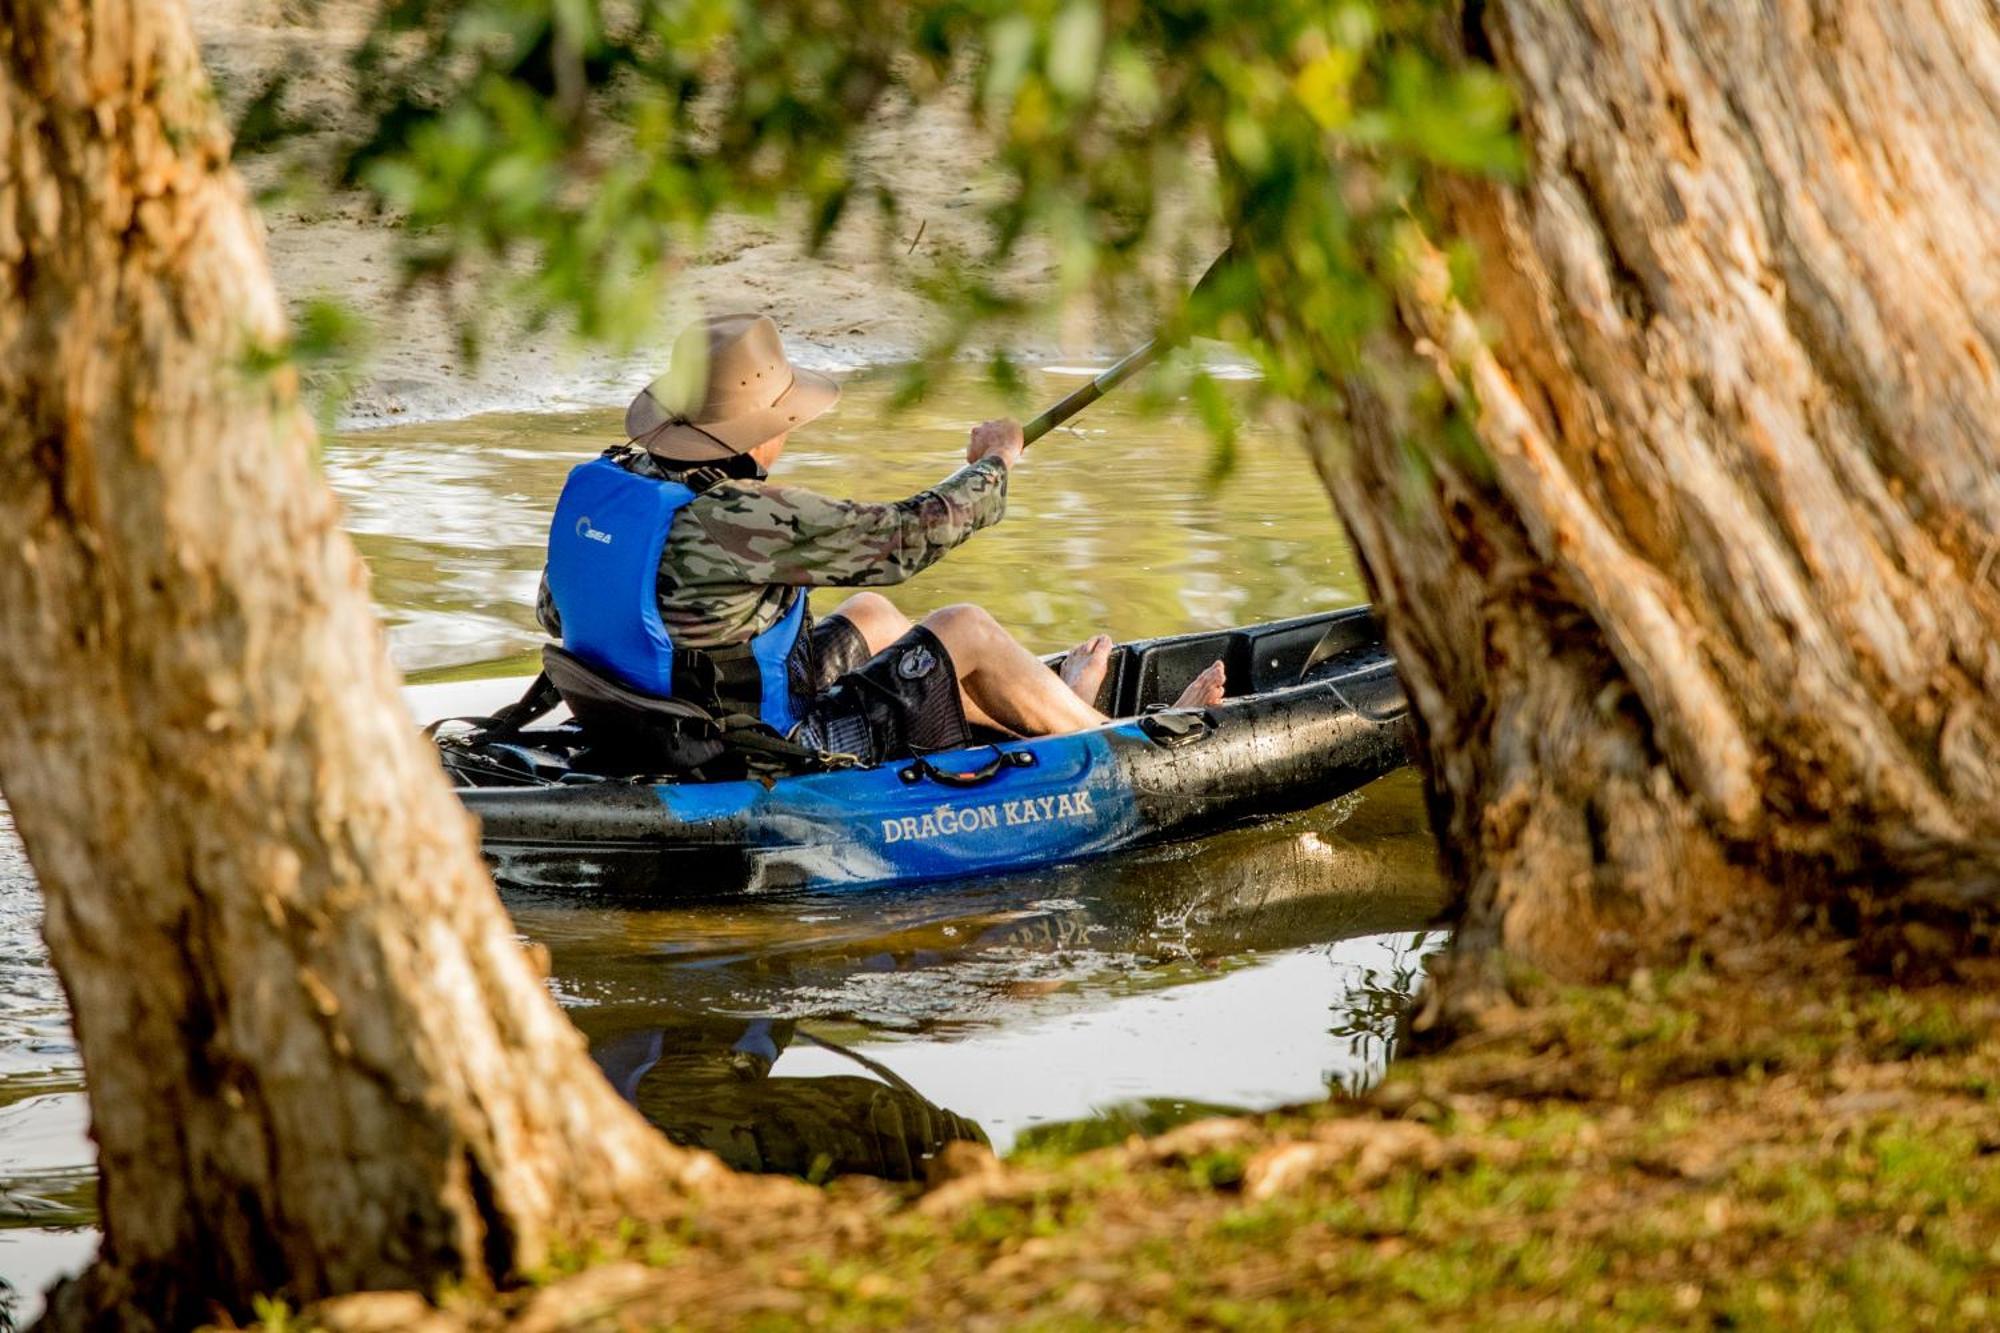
(318, 1060)
(1715, 628)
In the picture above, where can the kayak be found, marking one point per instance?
(1314, 712)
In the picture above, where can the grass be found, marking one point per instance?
(1799, 1148)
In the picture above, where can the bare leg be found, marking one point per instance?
(1003, 685)
(1004, 679)
(881, 624)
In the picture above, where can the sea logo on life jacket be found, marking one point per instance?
(588, 533)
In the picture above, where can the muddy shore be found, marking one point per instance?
(845, 308)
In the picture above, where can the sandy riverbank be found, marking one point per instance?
(843, 309)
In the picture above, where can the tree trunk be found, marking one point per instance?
(1713, 627)
(318, 1059)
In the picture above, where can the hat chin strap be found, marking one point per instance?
(683, 421)
(736, 467)
(672, 422)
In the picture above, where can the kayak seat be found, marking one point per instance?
(630, 729)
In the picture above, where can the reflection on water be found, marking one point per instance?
(707, 1081)
(47, 1189)
(1248, 970)
(820, 1034)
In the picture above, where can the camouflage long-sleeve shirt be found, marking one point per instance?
(736, 550)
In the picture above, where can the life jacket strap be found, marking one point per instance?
(732, 679)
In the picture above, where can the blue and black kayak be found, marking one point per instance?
(1314, 712)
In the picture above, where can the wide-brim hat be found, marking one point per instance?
(728, 388)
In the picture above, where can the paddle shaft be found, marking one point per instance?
(1110, 379)
(1091, 392)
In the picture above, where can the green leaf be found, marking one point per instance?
(1076, 40)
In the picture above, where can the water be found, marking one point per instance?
(1225, 973)
(46, 1191)
(1114, 526)
(823, 1033)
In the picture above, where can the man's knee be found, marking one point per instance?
(875, 616)
(962, 624)
(868, 607)
(961, 615)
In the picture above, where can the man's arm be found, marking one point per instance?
(787, 534)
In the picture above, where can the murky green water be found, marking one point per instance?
(831, 1033)
(1112, 526)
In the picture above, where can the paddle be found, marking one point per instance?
(1115, 376)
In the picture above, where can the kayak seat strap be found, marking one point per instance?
(655, 734)
(541, 697)
(648, 730)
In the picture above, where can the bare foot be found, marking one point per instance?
(1205, 690)
(1084, 667)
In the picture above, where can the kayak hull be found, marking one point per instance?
(1003, 808)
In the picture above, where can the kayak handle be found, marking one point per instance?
(1002, 759)
(1172, 728)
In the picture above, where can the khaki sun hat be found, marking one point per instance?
(727, 389)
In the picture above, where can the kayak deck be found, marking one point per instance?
(1314, 711)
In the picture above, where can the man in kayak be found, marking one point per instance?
(676, 567)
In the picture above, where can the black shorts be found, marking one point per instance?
(902, 701)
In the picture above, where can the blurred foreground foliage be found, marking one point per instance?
(562, 157)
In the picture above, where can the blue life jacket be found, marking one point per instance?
(604, 570)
